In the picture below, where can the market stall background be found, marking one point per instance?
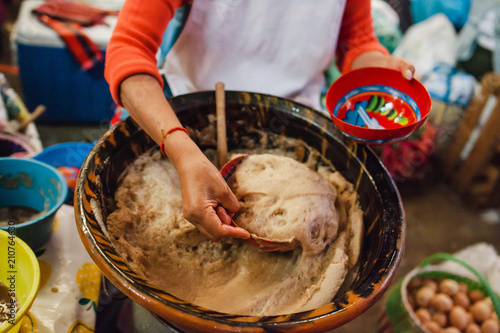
(448, 173)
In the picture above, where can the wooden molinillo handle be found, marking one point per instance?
(220, 104)
(31, 117)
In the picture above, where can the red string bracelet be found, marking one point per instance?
(173, 129)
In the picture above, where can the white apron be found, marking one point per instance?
(277, 47)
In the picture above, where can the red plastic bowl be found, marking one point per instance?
(377, 105)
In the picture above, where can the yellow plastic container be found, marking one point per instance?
(19, 270)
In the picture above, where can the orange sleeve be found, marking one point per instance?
(135, 41)
(357, 34)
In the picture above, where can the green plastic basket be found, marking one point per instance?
(397, 315)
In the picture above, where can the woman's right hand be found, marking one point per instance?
(207, 201)
(206, 196)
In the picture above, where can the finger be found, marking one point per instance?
(235, 232)
(223, 216)
(213, 225)
(223, 231)
(228, 200)
(205, 233)
(407, 70)
(217, 230)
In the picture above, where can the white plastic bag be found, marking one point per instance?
(429, 42)
(483, 257)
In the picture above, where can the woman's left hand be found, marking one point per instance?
(378, 59)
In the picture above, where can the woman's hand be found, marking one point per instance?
(377, 59)
(206, 196)
(208, 202)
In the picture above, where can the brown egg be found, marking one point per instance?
(423, 315)
(481, 310)
(461, 299)
(431, 284)
(472, 328)
(470, 318)
(490, 326)
(415, 283)
(490, 303)
(463, 288)
(450, 329)
(458, 317)
(448, 287)
(432, 326)
(440, 318)
(476, 295)
(441, 302)
(423, 296)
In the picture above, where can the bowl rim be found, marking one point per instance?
(60, 146)
(34, 288)
(368, 135)
(194, 316)
(60, 199)
(20, 139)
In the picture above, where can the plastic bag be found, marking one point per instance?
(449, 85)
(429, 42)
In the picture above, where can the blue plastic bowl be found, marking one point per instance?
(33, 184)
(68, 154)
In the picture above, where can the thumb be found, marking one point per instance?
(222, 214)
(407, 70)
(229, 201)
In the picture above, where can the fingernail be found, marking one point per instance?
(408, 74)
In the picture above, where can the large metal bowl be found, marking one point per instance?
(384, 220)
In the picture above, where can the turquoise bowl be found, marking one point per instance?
(36, 185)
(66, 155)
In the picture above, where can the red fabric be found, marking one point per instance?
(68, 19)
(139, 31)
(84, 50)
(410, 159)
(356, 34)
(77, 12)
